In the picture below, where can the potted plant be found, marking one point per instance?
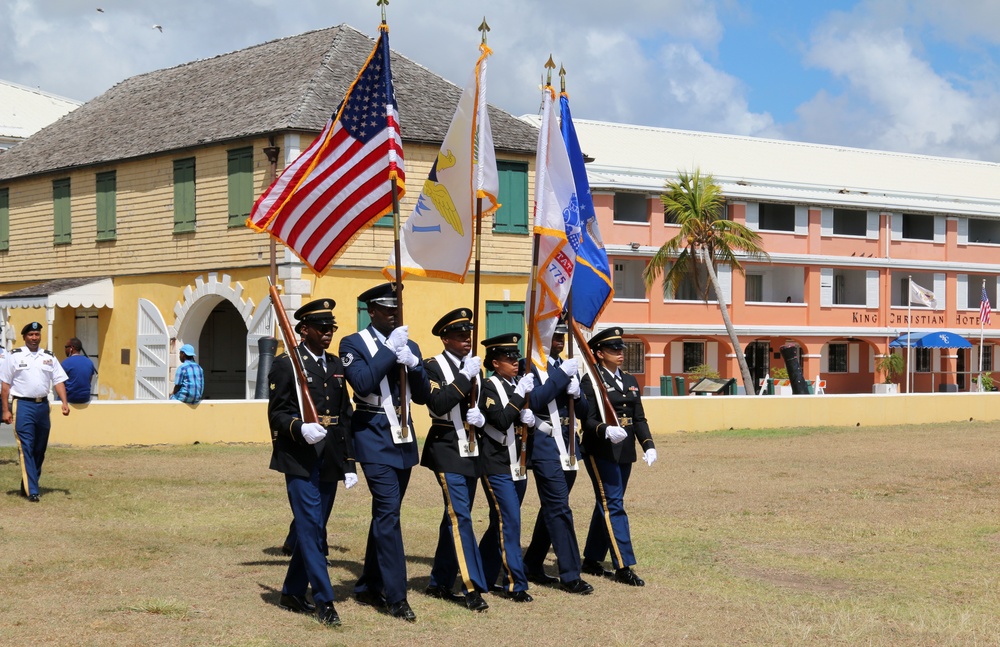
(891, 366)
(986, 381)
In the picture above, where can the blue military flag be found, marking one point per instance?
(592, 288)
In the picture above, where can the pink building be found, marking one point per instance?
(844, 227)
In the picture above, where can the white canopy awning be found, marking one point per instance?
(93, 292)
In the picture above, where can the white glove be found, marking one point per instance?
(471, 367)
(649, 456)
(615, 434)
(475, 417)
(527, 417)
(570, 367)
(525, 386)
(573, 388)
(398, 338)
(313, 432)
(350, 480)
(406, 357)
(544, 427)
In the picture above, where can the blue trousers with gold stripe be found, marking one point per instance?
(501, 544)
(609, 529)
(31, 426)
(554, 524)
(457, 552)
(311, 501)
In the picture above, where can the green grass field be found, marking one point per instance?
(859, 536)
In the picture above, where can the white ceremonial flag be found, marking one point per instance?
(436, 240)
(557, 226)
(922, 295)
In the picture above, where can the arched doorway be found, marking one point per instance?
(222, 353)
(758, 354)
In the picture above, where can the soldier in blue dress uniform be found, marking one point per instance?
(387, 451)
(448, 454)
(28, 373)
(313, 456)
(554, 469)
(609, 452)
(502, 402)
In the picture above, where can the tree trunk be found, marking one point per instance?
(748, 384)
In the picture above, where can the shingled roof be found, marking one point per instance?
(292, 83)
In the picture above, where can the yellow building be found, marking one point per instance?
(122, 224)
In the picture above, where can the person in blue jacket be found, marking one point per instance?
(387, 450)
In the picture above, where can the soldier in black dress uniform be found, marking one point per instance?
(452, 375)
(313, 456)
(502, 402)
(609, 452)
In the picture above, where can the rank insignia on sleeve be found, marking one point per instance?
(489, 402)
(347, 359)
(272, 386)
(434, 385)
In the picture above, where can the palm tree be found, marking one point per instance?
(706, 237)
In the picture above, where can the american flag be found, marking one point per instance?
(984, 308)
(344, 180)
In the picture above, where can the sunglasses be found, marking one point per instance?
(323, 328)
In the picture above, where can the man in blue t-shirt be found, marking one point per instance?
(189, 380)
(81, 372)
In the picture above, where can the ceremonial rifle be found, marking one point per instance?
(305, 399)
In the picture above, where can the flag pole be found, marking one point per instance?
(909, 307)
(982, 334)
(571, 450)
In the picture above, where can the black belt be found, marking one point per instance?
(624, 421)
(35, 400)
(329, 421)
(563, 422)
(370, 408)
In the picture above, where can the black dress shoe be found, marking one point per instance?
(402, 611)
(591, 567)
(518, 596)
(627, 576)
(542, 578)
(577, 586)
(370, 598)
(286, 550)
(475, 602)
(33, 498)
(442, 592)
(296, 603)
(327, 615)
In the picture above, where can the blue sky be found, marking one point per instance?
(915, 76)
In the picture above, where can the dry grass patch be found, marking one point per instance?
(875, 536)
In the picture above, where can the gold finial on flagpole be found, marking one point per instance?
(562, 78)
(483, 27)
(549, 65)
(382, 3)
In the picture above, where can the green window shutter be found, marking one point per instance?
(505, 317)
(184, 214)
(240, 185)
(512, 217)
(4, 219)
(62, 223)
(363, 318)
(107, 192)
(385, 221)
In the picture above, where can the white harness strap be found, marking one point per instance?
(507, 439)
(386, 396)
(456, 412)
(557, 434)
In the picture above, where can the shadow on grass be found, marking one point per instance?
(42, 491)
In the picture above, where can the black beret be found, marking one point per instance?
(319, 311)
(383, 295)
(34, 325)
(457, 319)
(607, 338)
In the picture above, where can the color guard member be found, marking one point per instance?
(502, 402)
(554, 469)
(28, 373)
(609, 452)
(452, 375)
(313, 456)
(372, 358)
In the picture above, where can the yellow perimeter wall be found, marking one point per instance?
(173, 423)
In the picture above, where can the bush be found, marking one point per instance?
(779, 373)
(702, 370)
(986, 381)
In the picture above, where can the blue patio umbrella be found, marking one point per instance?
(934, 339)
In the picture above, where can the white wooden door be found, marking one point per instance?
(152, 343)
